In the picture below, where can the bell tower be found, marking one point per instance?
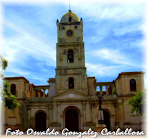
(70, 57)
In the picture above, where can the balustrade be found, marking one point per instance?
(100, 87)
(40, 91)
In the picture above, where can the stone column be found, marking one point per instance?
(38, 93)
(79, 52)
(55, 112)
(101, 90)
(120, 113)
(93, 113)
(96, 114)
(19, 89)
(84, 113)
(58, 113)
(61, 82)
(80, 83)
(88, 112)
(29, 116)
(112, 122)
(61, 121)
(106, 90)
(33, 122)
(123, 85)
(43, 92)
(50, 113)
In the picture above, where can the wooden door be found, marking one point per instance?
(40, 121)
(72, 120)
(107, 119)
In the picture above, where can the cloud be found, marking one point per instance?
(110, 10)
(110, 62)
(26, 51)
(120, 58)
(101, 70)
(112, 55)
(143, 27)
(143, 43)
(24, 43)
(127, 27)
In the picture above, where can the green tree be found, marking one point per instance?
(9, 99)
(137, 103)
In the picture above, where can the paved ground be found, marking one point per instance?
(59, 137)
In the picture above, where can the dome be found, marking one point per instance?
(69, 17)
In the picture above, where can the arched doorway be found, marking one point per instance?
(107, 119)
(72, 120)
(40, 121)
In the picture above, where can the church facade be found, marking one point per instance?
(71, 101)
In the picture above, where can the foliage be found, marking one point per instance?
(114, 91)
(9, 99)
(137, 103)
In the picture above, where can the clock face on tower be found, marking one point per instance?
(69, 33)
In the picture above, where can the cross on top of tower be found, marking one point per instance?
(69, 6)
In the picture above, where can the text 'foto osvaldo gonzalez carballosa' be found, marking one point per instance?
(66, 132)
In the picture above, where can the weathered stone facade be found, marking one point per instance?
(72, 90)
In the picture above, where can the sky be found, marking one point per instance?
(114, 37)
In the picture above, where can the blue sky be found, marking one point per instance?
(114, 36)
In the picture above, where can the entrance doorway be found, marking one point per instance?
(72, 120)
(40, 121)
(107, 119)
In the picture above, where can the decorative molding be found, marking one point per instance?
(61, 40)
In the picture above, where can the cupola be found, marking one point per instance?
(69, 18)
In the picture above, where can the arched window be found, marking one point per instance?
(132, 85)
(70, 56)
(71, 83)
(13, 89)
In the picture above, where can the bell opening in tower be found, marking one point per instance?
(70, 56)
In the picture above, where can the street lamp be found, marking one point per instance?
(101, 124)
(100, 110)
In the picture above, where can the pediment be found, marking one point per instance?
(71, 95)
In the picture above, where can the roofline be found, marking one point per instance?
(7, 78)
(91, 77)
(130, 73)
(133, 72)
